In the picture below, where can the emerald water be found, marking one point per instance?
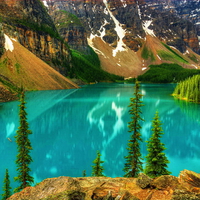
(69, 126)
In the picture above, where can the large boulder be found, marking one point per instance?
(165, 181)
(190, 180)
(143, 181)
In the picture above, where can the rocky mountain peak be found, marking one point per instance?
(122, 31)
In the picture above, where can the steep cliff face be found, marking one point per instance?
(184, 10)
(2, 40)
(29, 23)
(71, 29)
(190, 10)
(21, 68)
(127, 35)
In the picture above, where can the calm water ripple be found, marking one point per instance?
(70, 125)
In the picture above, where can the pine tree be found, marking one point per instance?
(97, 169)
(156, 159)
(133, 165)
(24, 147)
(189, 89)
(84, 173)
(6, 186)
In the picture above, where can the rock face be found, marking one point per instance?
(121, 32)
(6, 95)
(127, 35)
(28, 36)
(28, 22)
(71, 29)
(188, 19)
(2, 40)
(104, 188)
(97, 18)
(21, 68)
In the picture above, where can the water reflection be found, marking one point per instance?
(70, 125)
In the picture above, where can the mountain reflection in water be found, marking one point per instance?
(70, 125)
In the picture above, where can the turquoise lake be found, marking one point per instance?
(69, 126)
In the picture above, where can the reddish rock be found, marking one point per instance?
(190, 180)
(104, 188)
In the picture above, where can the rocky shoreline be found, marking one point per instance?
(6, 95)
(167, 187)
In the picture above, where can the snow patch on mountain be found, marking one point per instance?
(146, 25)
(195, 66)
(8, 43)
(106, 11)
(124, 3)
(45, 4)
(102, 29)
(199, 38)
(120, 32)
(91, 44)
(139, 11)
(159, 57)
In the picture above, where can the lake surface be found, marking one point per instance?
(69, 126)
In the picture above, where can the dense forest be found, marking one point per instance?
(189, 89)
(167, 73)
(88, 69)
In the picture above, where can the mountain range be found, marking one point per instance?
(128, 35)
(43, 42)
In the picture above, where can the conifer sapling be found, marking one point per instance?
(6, 187)
(156, 159)
(97, 169)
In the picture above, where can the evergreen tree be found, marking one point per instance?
(24, 147)
(133, 165)
(156, 159)
(189, 89)
(97, 169)
(6, 186)
(84, 173)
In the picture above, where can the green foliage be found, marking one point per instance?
(193, 58)
(39, 28)
(170, 55)
(42, 6)
(84, 173)
(17, 65)
(167, 73)
(156, 159)
(24, 147)
(189, 89)
(131, 80)
(6, 187)
(133, 165)
(87, 68)
(97, 169)
(67, 20)
(4, 62)
(147, 53)
(11, 87)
